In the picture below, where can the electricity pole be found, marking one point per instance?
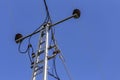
(41, 57)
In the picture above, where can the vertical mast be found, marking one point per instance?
(46, 53)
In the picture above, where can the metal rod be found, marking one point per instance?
(45, 72)
(43, 28)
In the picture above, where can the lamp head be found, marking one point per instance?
(76, 13)
(17, 37)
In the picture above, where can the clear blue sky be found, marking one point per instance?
(91, 44)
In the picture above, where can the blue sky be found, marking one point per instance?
(90, 44)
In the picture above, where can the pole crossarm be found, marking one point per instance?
(22, 38)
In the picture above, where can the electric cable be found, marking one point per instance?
(47, 11)
(61, 57)
(19, 49)
(45, 21)
(54, 60)
(27, 50)
(54, 70)
(53, 76)
(30, 45)
(47, 18)
(54, 65)
(52, 41)
(29, 56)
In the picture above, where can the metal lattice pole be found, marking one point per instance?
(43, 44)
(40, 58)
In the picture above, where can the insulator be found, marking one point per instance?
(32, 64)
(56, 52)
(33, 55)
